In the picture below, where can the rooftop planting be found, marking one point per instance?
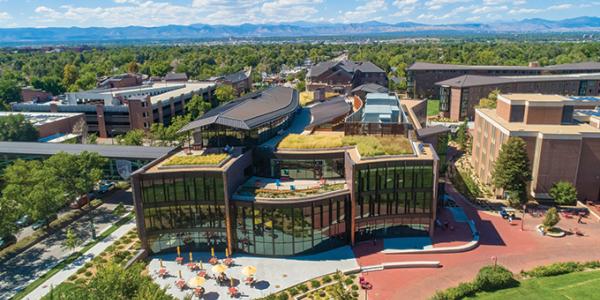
(186, 160)
(367, 146)
(287, 193)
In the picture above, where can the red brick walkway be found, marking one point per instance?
(515, 249)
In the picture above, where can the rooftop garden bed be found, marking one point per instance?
(287, 193)
(368, 146)
(187, 160)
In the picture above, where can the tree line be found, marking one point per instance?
(71, 70)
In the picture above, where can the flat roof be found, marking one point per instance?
(250, 110)
(479, 80)
(109, 151)
(328, 111)
(522, 129)
(540, 99)
(562, 67)
(40, 118)
(189, 87)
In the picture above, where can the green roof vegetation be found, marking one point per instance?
(186, 160)
(287, 193)
(368, 146)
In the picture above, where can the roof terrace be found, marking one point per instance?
(367, 146)
(261, 188)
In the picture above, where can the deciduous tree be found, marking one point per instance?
(512, 170)
(15, 128)
(225, 93)
(564, 193)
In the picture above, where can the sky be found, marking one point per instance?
(117, 13)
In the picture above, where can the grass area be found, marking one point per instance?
(331, 286)
(579, 285)
(269, 193)
(207, 159)
(433, 107)
(368, 146)
(71, 258)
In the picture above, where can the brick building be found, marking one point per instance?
(562, 136)
(342, 76)
(120, 81)
(460, 95)
(111, 112)
(422, 76)
(52, 124)
(31, 94)
(240, 81)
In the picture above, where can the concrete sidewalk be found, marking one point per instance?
(69, 270)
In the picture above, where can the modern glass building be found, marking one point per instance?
(276, 201)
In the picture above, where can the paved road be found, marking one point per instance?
(19, 271)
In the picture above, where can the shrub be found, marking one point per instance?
(88, 274)
(96, 202)
(302, 287)
(315, 283)
(293, 291)
(337, 276)
(556, 269)
(326, 279)
(592, 264)
(355, 287)
(87, 264)
(355, 294)
(348, 281)
(72, 277)
(283, 296)
(80, 270)
(551, 218)
(491, 278)
(563, 193)
(80, 281)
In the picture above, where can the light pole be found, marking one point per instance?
(92, 227)
(495, 260)
(523, 218)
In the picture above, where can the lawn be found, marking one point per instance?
(368, 146)
(579, 285)
(433, 107)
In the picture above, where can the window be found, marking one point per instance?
(567, 114)
(517, 113)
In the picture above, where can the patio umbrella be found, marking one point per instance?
(220, 268)
(212, 252)
(160, 263)
(201, 265)
(178, 251)
(249, 270)
(179, 274)
(226, 252)
(196, 282)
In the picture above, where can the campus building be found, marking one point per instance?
(259, 178)
(460, 95)
(52, 125)
(562, 134)
(422, 76)
(343, 76)
(111, 112)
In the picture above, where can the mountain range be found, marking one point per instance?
(290, 30)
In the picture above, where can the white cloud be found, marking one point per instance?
(560, 6)
(5, 16)
(489, 9)
(406, 7)
(365, 12)
(498, 2)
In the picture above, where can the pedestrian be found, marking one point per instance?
(510, 219)
(579, 219)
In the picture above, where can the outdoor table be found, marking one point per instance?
(233, 292)
(162, 272)
(179, 260)
(192, 266)
(199, 292)
(213, 260)
(180, 283)
(202, 273)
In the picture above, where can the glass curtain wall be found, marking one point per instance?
(282, 230)
(187, 211)
(307, 168)
(215, 135)
(394, 199)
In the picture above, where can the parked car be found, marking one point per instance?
(105, 186)
(24, 221)
(7, 241)
(43, 222)
(81, 201)
(508, 212)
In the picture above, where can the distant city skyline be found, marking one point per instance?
(117, 13)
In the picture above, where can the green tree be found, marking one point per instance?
(132, 138)
(76, 173)
(490, 101)
(225, 93)
(462, 135)
(196, 107)
(301, 85)
(133, 67)
(551, 218)
(9, 214)
(169, 135)
(71, 240)
(70, 74)
(15, 128)
(9, 92)
(512, 170)
(34, 187)
(564, 193)
(85, 82)
(51, 84)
